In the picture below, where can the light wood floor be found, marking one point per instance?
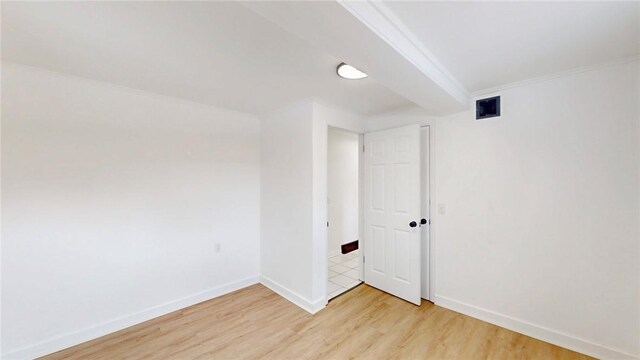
(365, 323)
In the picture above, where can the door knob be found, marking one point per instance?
(423, 221)
(413, 224)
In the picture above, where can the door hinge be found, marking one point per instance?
(362, 148)
(364, 259)
(327, 224)
(429, 221)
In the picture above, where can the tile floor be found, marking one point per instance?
(344, 273)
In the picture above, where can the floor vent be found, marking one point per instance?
(349, 247)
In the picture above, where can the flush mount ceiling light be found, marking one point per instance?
(349, 72)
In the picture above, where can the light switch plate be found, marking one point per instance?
(442, 208)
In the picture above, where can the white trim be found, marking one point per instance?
(77, 337)
(383, 22)
(499, 88)
(432, 214)
(430, 123)
(361, 205)
(535, 331)
(311, 307)
(427, 295)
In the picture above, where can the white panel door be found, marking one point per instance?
(392, 211)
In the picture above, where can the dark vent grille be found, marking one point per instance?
(487, 108)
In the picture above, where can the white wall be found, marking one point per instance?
(294, 200)
(541, 230)
(401, 117)
(319, 248)
(338, 117)
(113, 201)
(342, 188)
(542, 219)
(287, 202)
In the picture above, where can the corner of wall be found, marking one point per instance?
(307, 305)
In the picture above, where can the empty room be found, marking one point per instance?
(320, 180)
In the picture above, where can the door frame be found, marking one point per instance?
(432, 215)
(429, 270)
(361, 242)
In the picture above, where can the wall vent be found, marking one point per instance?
(488, 108)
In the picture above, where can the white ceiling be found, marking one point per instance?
(259, 56)
(487, 44)
(361, 34)
(217, 53)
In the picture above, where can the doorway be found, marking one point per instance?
(347, 172)
(344, 211)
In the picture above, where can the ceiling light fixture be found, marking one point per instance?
(349, 72)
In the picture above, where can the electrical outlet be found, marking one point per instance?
(442, 208)
(217, 247)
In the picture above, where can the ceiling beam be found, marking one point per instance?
(384, 23)
(369, 37)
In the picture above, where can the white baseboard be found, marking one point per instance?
(535, 331)
(539, 332)
(64, 341)
(311, 307)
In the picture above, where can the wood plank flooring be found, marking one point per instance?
(365, 323)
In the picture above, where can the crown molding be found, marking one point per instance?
(574, 71)
(386, 25)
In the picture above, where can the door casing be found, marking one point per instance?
(428, 269)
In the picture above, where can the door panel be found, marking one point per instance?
(377, 237)
(392, 200)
